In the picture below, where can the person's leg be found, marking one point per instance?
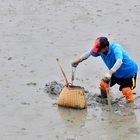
(126, 86)
(105, 85)
(128, 94)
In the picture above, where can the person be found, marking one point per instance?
(122, 68)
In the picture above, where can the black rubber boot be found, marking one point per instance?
(103, 93)
(102, 98)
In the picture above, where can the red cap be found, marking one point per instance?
(100, 43)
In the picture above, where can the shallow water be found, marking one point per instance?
(33, 35)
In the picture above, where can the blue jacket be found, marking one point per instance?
(128, 67)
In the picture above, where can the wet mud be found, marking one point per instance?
(76, 118)
(35, 33)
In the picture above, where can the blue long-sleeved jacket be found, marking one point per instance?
(128, 67)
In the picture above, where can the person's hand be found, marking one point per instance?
(107, 77)
(75, 64)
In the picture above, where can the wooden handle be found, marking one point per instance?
(62, 72)
(108, 98)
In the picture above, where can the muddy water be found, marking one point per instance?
(33, 35)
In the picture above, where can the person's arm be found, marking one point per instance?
(84, 56)
(116, 66)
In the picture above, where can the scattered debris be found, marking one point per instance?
(25, 103)
(10, 58)
(32, 83)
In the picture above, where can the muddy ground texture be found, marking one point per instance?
(54, 89)
(122, 117)
(32, 35)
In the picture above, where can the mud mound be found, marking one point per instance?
(54, 88)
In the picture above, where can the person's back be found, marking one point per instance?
(115, 51)
(122, 68)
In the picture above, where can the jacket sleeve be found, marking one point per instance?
(94, 54)
(85, 55)
(117, 65)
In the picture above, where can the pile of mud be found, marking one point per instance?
(54, 88)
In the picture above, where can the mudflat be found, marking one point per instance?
(33, 35)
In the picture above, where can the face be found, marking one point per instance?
(104, 50)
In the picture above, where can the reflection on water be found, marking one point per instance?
(100, 123)
(122, 125)
(72, 117)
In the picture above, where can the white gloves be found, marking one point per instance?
(107, 77)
